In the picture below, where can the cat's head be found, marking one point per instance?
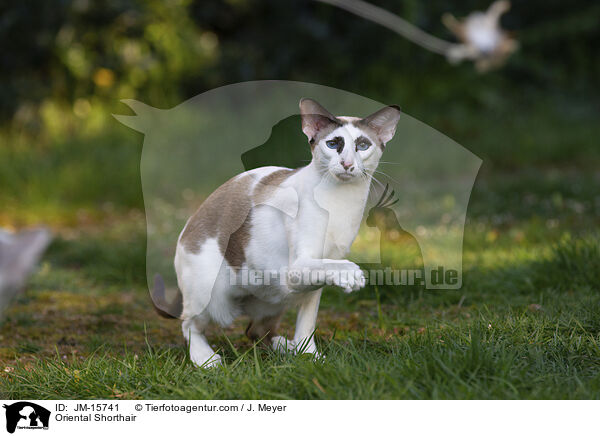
(347, 149)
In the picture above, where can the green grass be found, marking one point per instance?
(526, 323)
(516, 357)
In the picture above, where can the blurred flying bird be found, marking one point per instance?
(482, 40)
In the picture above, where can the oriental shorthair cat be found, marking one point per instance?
(298, 222)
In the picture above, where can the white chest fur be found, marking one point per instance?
(344, 205)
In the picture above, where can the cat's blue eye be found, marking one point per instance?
(362, 145)
(336, 142)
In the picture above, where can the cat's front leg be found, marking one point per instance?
(303, 341)
(306, 322)
(307, 275)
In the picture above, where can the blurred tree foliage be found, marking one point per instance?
(72, 56)
(65, 64)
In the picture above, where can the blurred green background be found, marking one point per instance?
(526, 323)
(66, 64)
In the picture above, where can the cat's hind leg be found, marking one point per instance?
(266, 328)
(264, 324)
(263, 328)
(201, 354)
(202, 278)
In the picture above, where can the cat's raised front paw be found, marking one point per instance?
(347, 276)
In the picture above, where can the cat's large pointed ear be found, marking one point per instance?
(384, 122)
(315, 118)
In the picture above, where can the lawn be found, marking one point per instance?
(526, 323)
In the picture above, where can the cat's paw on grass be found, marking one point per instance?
(206, 362)
(284, 345)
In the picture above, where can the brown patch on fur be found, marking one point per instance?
(364, 126)
(235, 251)
(370, 124)
(268, 183)
(225, 214)
(323, 134)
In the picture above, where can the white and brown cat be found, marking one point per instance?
(301, 222)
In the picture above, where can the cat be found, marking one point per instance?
(299, 221)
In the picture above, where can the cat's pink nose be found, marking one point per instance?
(347, 165)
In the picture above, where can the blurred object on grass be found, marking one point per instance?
(19, 253)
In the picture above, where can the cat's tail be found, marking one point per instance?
(164, 308)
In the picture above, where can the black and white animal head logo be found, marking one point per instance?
(26, 415)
